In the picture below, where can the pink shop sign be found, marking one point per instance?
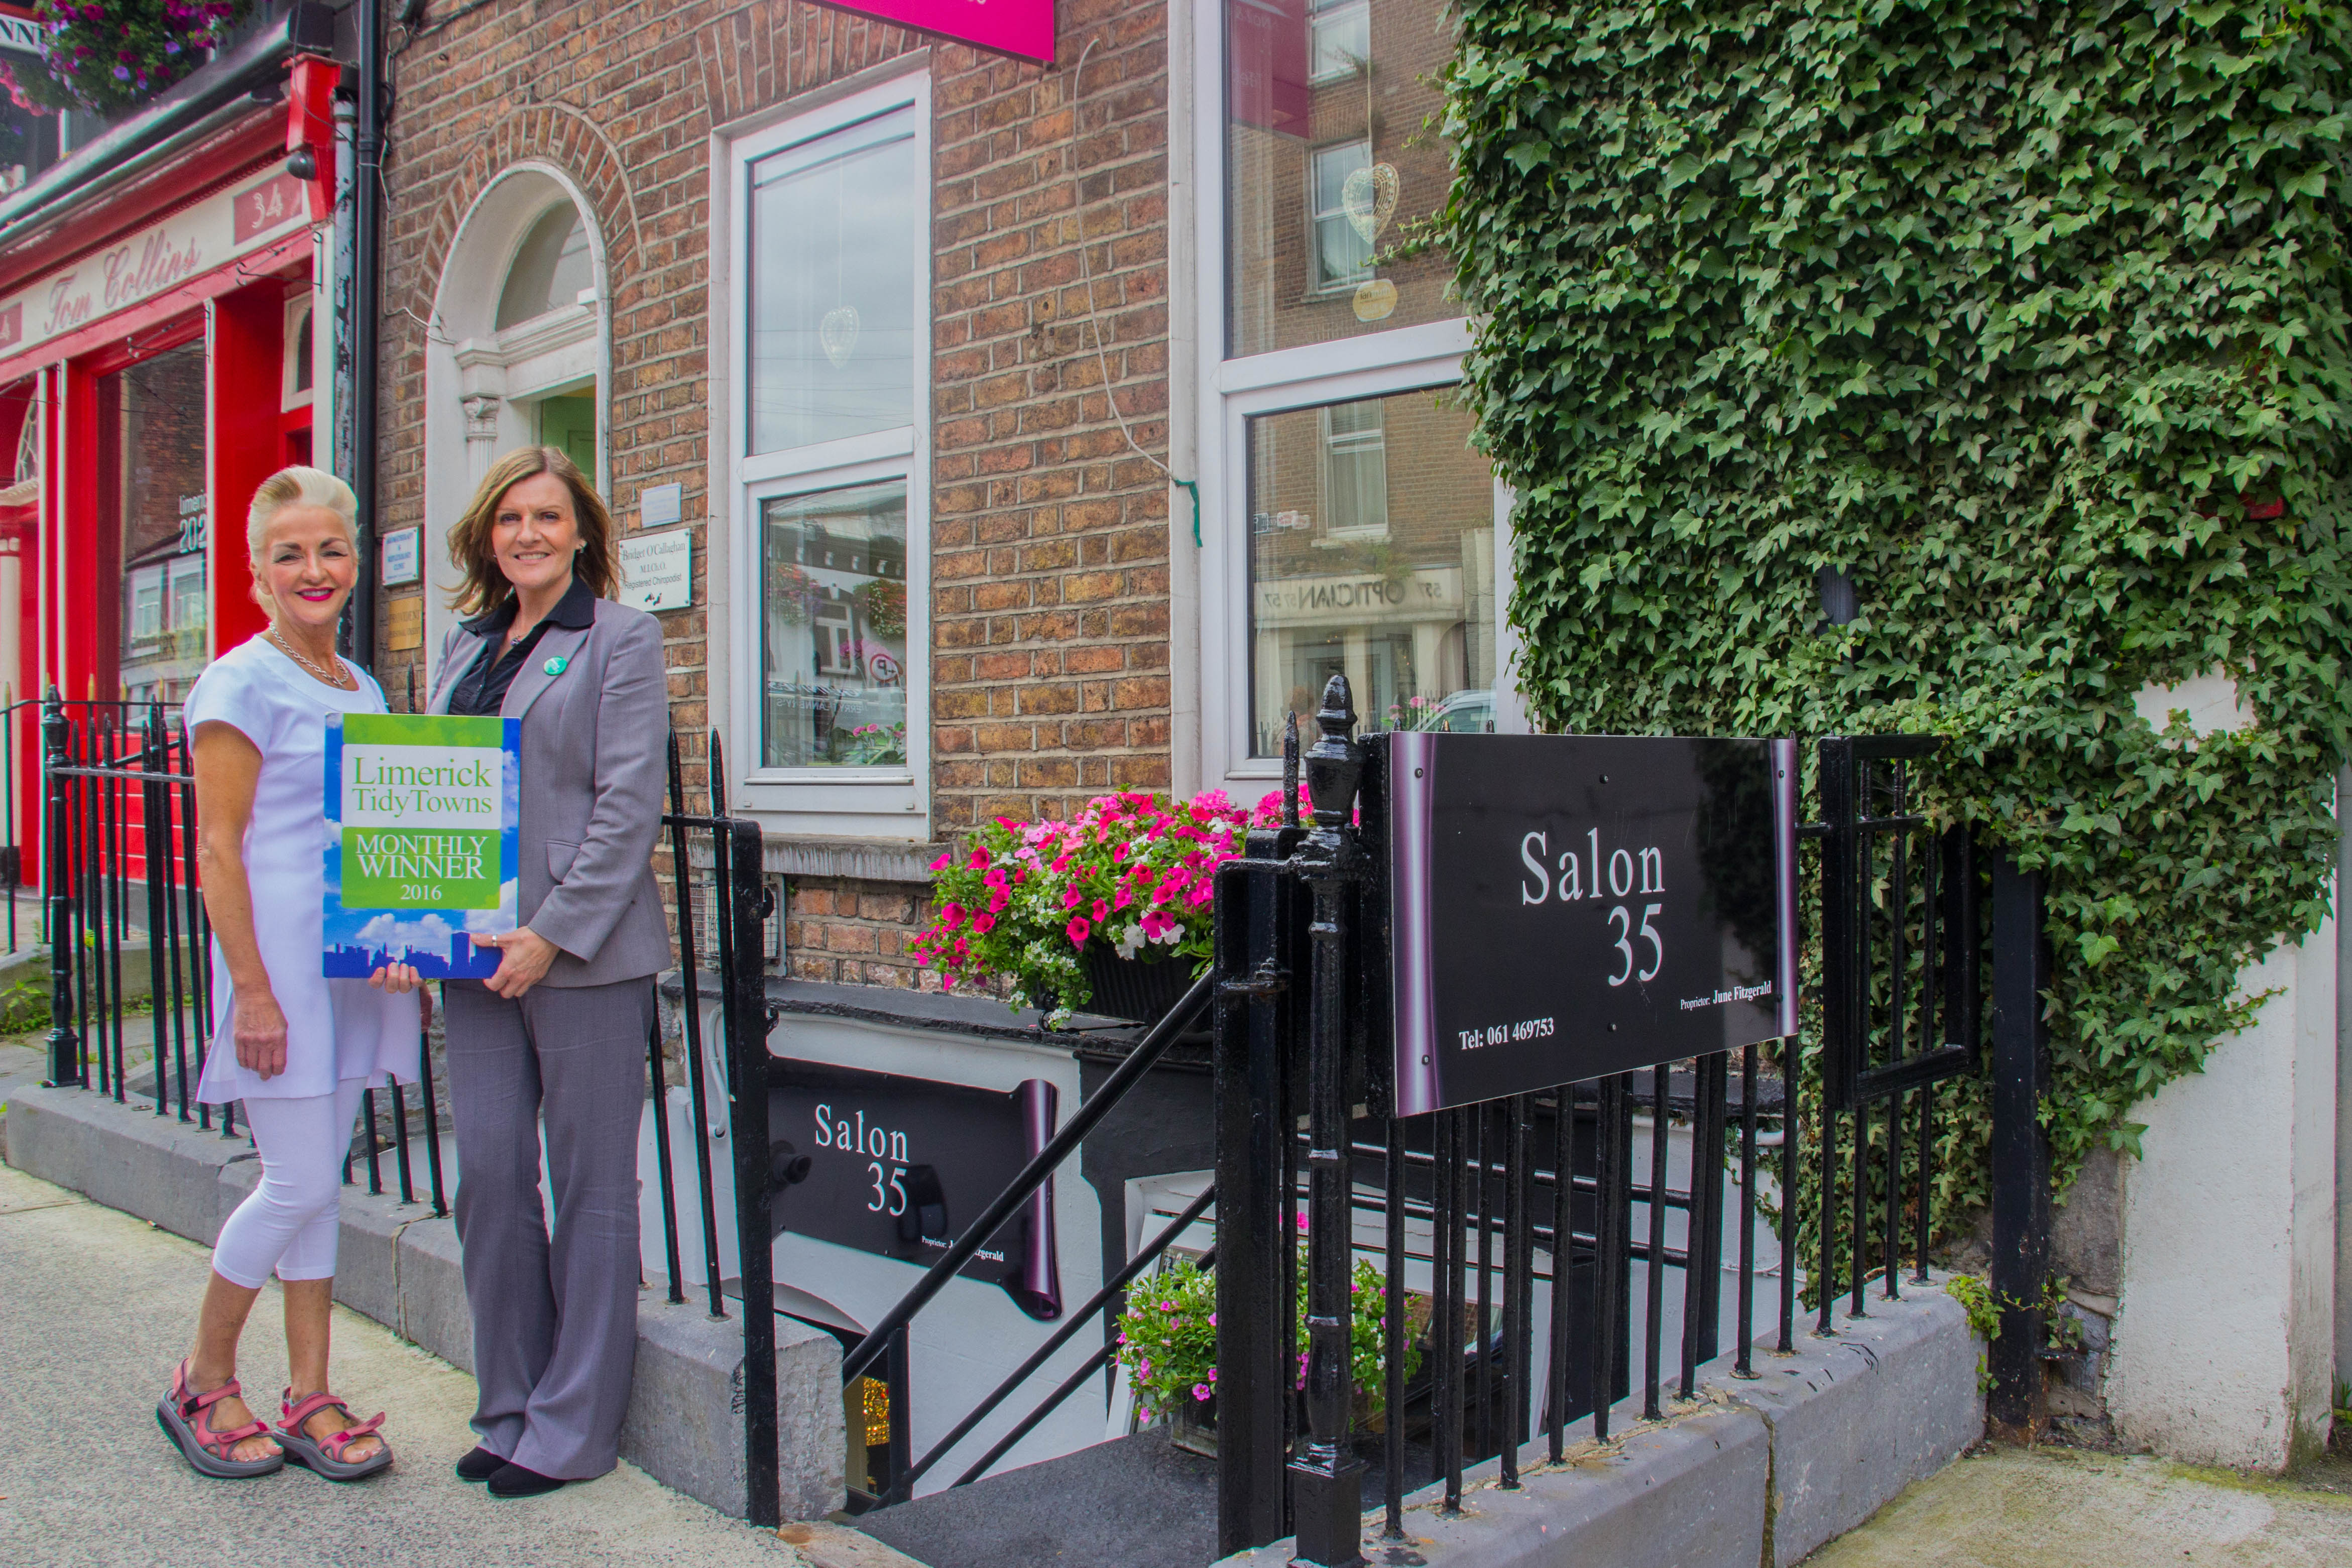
(1023, 28)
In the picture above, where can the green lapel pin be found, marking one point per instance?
(555, 666)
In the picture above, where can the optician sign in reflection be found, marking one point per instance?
(899, 1165)
(1427, 593)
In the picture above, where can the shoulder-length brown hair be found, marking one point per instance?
(485, 587)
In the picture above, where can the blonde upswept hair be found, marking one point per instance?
(485, 587)
(295, 486)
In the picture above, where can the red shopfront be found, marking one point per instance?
(161, 351)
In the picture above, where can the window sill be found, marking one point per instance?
(853, 859)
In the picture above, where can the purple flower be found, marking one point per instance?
(123, 73)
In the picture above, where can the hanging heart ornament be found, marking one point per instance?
(837, 334)
(1369, 197)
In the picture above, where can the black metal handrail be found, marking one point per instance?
(1100, 1104)
(886, 1342)
(1112, 1290)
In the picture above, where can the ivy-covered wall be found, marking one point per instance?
(2032, 319)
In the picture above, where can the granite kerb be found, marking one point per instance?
(1748, 1472)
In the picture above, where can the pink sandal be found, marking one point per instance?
(186, 1420)
(325, 1455)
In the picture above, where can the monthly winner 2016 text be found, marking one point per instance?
(453, 856)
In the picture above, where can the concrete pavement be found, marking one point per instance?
(95, 1306)
(2063, 1508)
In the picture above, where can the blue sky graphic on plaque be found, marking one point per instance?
(421, 810)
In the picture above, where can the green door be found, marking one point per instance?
(569, 421)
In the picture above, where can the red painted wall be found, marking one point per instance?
(248, 444)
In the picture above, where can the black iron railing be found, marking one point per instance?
(1563, 1191)
(119, 850)
(119, 836)
(1491, 1202)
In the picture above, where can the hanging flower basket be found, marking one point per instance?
(108, 56)
(885, 603)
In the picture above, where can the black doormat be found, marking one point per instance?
(1136, 1502)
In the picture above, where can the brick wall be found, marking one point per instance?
(1049, 632)
(853, 932)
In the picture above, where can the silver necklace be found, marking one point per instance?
(282, 646)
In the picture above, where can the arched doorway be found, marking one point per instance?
(519, 354)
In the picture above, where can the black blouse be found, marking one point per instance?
(482, 690)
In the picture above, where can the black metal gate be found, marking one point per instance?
(1541, 1190)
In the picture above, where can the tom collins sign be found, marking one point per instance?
(1567, 907)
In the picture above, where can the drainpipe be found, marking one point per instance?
(367, 315)
(340, 448)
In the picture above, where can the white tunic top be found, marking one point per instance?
(335, 1029)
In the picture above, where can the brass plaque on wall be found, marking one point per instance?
(404, 622)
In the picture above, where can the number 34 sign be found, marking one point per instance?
(1566, 906)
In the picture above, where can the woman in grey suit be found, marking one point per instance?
(559, 1031)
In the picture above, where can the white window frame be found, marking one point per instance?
(1320, 16)
(1329, 450)
(887, 802)
(1317, 287)
(300, 306)
(1372, 364)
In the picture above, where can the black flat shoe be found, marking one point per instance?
(513, 1480)
(479, 1466)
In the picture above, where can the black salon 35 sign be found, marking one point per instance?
(899, 1165)
(1566, 906)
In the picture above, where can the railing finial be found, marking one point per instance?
(1334, 766)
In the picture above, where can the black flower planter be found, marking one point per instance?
(1138, 989)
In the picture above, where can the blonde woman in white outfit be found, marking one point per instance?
(295, 1048)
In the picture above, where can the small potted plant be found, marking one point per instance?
(1067, 910)
(1168, 1342)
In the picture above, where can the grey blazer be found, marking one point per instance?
(595, 752)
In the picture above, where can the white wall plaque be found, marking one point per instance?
(659, 504)
(658, 570)
(403, 560)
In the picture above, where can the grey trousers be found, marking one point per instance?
(555, 1316)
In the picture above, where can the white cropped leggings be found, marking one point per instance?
(289, 1223)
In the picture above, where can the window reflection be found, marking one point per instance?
(150, 431)
(1372, 555)
(834, 584)
(1327, 164)
(550, 270)
(835, 232)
